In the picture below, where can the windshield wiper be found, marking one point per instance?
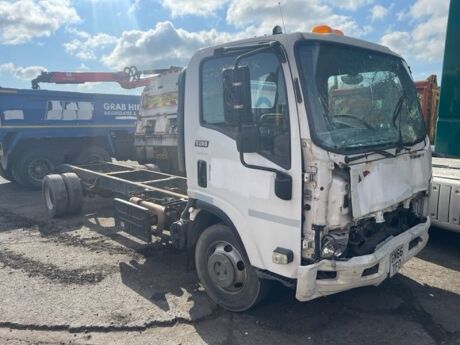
(396, 115)
(384, 153)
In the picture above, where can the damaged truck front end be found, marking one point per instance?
(367, 168)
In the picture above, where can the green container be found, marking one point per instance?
(448, 125)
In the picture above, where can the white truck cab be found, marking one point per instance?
(307, 162)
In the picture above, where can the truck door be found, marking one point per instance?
(216, 174)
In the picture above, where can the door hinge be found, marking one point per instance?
(310, 171)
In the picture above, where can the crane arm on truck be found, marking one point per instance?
(129, 78)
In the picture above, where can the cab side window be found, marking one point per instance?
(212, 103)
(269, 102)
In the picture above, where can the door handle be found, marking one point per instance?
(202, 169)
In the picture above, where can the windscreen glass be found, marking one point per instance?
(358, 99)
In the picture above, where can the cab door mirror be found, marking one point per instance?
(247, 140)
(236, 85)
(283, 186)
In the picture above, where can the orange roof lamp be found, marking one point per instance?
(326, 29)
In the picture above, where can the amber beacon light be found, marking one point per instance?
(326, 29)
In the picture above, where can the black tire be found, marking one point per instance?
(74, 192)
(91, 155)
(7, 174)
(55, 195)
(235, 287)
(32, 166)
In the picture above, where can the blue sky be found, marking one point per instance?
(107, 35)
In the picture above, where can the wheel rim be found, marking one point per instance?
(39, 168)
(48, 198)
(226, 267)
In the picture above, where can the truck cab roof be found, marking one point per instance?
(291, 38)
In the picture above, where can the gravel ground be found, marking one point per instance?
(77, 280)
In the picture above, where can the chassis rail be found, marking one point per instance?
(126, 180)
(145, 202)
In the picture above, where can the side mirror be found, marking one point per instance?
(236, 85)
(247, 140)
(283, 186)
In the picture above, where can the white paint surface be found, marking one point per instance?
(378, 185)
(13, 115)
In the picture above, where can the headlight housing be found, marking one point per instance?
(333, 245)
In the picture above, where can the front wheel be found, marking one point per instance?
(224, 271)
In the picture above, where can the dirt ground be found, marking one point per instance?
(77, 280)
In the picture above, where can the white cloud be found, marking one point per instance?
(86, 46)
(397, 40)
(350, 4)
(199, 8)
(77, 33)
(23, 73)
(29, 72)
(429, 8)
(7, 67)
(425, 41)
(299, 15)
(378, 12)
(258, 17)
(165, 45)
(162, 46)
(22, 20)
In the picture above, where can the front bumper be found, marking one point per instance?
(352, 273)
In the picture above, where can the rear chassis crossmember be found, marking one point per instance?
(145, 202)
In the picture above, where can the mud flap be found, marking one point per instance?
(133, 219)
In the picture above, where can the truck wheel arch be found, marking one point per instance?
(210, 215)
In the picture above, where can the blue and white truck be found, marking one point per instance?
(41, 129)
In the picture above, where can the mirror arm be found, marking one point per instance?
(252, 49)
(249, 53)
(273, 46)
(257, 167)
(282, 190)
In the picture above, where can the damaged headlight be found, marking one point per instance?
(333, 245)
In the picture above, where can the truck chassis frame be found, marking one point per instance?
(145, 202)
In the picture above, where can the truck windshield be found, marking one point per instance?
(358, 99)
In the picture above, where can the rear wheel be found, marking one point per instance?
(74, 192)
(224, 271)
(31, 167)
(91, 155)
(55, 195)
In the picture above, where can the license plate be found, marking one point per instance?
(396, 259)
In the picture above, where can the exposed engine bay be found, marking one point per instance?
(353, 213)
(365, 236)
(368, 234)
